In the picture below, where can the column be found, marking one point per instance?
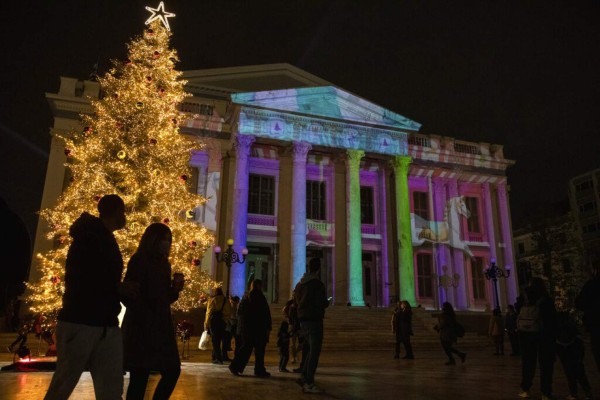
(241, 146)
(491, 235)
(385, 275)
(505, 226)
(459, 260)
(442, 257)
(406, 271)
(489, 218)
(300, 150)
(354, 227)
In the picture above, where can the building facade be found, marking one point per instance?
(296, 168)
(584, 197)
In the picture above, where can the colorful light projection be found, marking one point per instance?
(354, 228)
(329, 117)
(405, 269)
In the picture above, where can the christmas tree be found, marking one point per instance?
(131, 146)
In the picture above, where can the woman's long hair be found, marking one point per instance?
(153, 234)
(448, 310)
(407, 306)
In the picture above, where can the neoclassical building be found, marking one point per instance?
(297, 168)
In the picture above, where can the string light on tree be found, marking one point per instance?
(131, 146)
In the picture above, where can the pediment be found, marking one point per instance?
(326, 102)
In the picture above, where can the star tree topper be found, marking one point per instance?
(159, 13)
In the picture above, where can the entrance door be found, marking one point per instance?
(369, 279)
(259, 262)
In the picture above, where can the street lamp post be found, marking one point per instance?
(230, 257)
(493, 273)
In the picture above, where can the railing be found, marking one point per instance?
(323, 227)
(466, 148)
(416, 140)
(368, 229)
(265, 220)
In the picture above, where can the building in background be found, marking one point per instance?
(584, 197)
(297, 168)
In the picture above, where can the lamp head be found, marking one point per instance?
(216, 249)
(244, 251)
(229, 242)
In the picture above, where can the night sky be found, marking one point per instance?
(526, 76)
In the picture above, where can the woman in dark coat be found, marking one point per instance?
(538, 346)
(149, 342)
(402, 327)
(447, 328)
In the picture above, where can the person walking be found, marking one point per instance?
(570, 350)
(402, 327)
(536, 325)
(87, 331)
(233, 325)
(149, 340)
(588, 301)
(283, 345)
(496, 331)
(218, 311)
(311, 299)
(254, 325)
(510, 325)
(447, 327)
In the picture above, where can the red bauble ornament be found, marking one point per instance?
(127, 62)
(97, 198)
(174, 121)
(183, 178)
(72, 179)
(156, 54)
(166, 221)
(149, 78)
(150, 32)
(161, 90)
(87, 130)
(192, 244)
(195, 262)
(67, 152)
(152, 141)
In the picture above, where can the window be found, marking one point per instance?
(420, 205)
(315, 200)
(473, 220)
(424, 275)
(477, 278)
(366, 205)
(261, 194)
(583, 186)
(587, 207)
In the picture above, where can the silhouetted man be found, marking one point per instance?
(311, 297)
(87, 332)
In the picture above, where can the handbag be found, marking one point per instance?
(204, 341)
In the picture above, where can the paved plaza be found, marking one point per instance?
(343, 375)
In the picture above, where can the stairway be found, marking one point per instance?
(364, 328)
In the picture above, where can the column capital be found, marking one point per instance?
(242, 144)
(353, 157)
(401, 163)
(300, 150)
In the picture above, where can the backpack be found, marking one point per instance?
(529, 319)
(459, 330)
(216, 317)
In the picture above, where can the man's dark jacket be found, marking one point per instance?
(311, 297)
(92, 275)
(255, 315)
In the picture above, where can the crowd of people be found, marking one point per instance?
(88, 335)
